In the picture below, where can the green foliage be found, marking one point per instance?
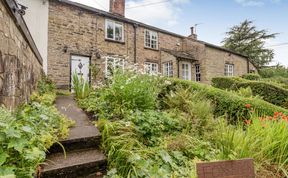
(251, 76)
(152, 125)
(246, 39)
(165, 135)
(226, 102)
(124, 93)
(80, 86)
(26, 134)
(269, 92)
(277, 71)
(264, 140)
(45, 85)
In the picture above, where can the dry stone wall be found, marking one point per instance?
(20, 69)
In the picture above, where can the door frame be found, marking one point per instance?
(70, 76)
(189, 70)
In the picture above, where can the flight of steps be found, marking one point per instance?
(83, 156)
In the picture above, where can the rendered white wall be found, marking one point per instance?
(36, 18)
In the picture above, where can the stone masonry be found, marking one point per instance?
(19, 67)
(80, 30)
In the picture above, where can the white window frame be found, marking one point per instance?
(151, 68)
(115, 63)
(229, 70)
(168, 69)
(148, 43)
(186, 72)
(197, 73)
(115, 23)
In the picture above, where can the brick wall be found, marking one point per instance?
(19, 67)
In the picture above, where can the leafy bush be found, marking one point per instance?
(26, 134)
(270, 93)
(124, 93)
(80, 86)
(251, 76)
(152, 125)
(233, 105)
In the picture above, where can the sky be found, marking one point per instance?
(214, 18)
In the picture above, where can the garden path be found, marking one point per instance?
(83, 157)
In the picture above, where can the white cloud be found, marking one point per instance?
(159, 13)
(255, 2)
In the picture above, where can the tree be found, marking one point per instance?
(246, 39)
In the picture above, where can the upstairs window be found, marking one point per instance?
(229, 70)
(114, 30)
(168, 69)
(197, 73)
(151, 68)
(112, 64)
(151, 39)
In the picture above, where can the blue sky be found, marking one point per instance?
(215, 17)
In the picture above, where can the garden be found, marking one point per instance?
(161, 127)
(28, 132)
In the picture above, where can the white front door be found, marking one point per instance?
(80, 65)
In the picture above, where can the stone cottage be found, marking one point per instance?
(80, 36)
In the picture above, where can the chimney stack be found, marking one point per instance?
(117, 7)
(193, 33)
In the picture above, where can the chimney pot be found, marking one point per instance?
(117, 7)
(193, 33)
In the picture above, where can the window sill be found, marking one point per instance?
(153, 49)
(114, 41)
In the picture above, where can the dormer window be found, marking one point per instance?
(114, 30)
(151, 39)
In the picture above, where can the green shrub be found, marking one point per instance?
(152, 125)
(124, 92)
(251, 76)
(226, 102)
(269, 92)
(80, 86)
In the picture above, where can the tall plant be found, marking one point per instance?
(80, 86)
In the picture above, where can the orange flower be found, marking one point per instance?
(276, 114)
(248, 105)
(247, 122)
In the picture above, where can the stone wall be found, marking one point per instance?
(216, 60)
(20, 69)
(82, 32)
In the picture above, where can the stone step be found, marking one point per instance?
(79, 163)
(83, 137)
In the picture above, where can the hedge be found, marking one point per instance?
(270, 92)
(251, 76)
(226, 102)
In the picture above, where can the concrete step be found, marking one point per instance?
(78, 163)
(83, 137)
